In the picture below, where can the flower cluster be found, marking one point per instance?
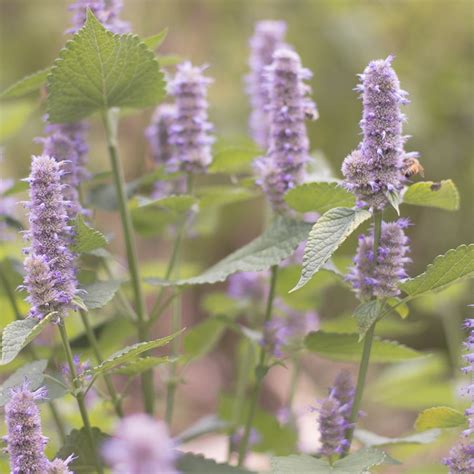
(80, 368)
(288, 146)
(106, 11)
(469, 369)
(267, 38)
(189, 133)
(50, 271)
(140, 445)
(252, 286)
(374, 169)
(379, 275)
(25, 440)
(334, 415)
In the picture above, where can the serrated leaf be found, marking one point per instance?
(129, 353)
(278, 242)
(20, 333)
(439, 417)
(77, 443)
(141, 365)
(455, 265)
(25, 86)
(345, 347)
(329, 232)
(99, 293)
(86, 238)
(443, 195)
(98, 70)
(319, 197)
(357, 463)
(155, 41)
(33, 372)
(198, 464)
(368, 438)
(233, 160)
(366, 314)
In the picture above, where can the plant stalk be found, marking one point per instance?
(132, 258)
(259, 372)
(79, 394)
(98, 356)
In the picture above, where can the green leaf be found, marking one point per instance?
(439, 417)
(33, 372)
(141, 365)
(394, 199)
(366, 314)
(99, 293)
(455, 265)
(86, 238)
(198, 464)
(319, 197)
(13, 117)
(278, 242)
(98, 70)
(331, 229)
(20, 333)
(77, 443)
(215, 196)
(155, 41)
(202, 338)
(129, 353)
(368, 438)
(345, 347)
(443, 195)
(151, 217)
(25, 86)
(207, 424)
(233, 160)
(357, 463)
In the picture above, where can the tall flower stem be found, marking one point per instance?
(79, 394)
(110, 124)
(368, 341)
(176, 321)
(98, 356)
(260, 371)
(16, 311)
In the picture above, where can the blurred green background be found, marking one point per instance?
(433, 42)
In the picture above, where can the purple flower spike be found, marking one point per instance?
(375, 167)
(283, 166)
(61, 466)
(267, 38)
(461, 459)
(343, 391)
(469, 369)
(190, 131)
(140, 445)
(50, 271)
(106, 11)
(380, 276)
(332, 427)
(25, 439)
(249, 285)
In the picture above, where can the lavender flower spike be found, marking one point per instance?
(343, 391)
(50, 272)
(267, 38)
(283, 166)
(461, 459)
(106, 11)
(469, 369)
(379, 275)
(189, 133)
(375, 167)
(332, 427)
(141, 445)
(25, 440)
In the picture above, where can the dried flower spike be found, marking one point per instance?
(140, 445)
(190, 131)
(267, 38)
(375, 167)
(283, 166)
(379, 276)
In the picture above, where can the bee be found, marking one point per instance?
(411, 167)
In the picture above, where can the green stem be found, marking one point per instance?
(260, 371)
(79, 394)
(16, 311)
(119, 181)
(368, 340)
(453, 334)
(98, 356)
